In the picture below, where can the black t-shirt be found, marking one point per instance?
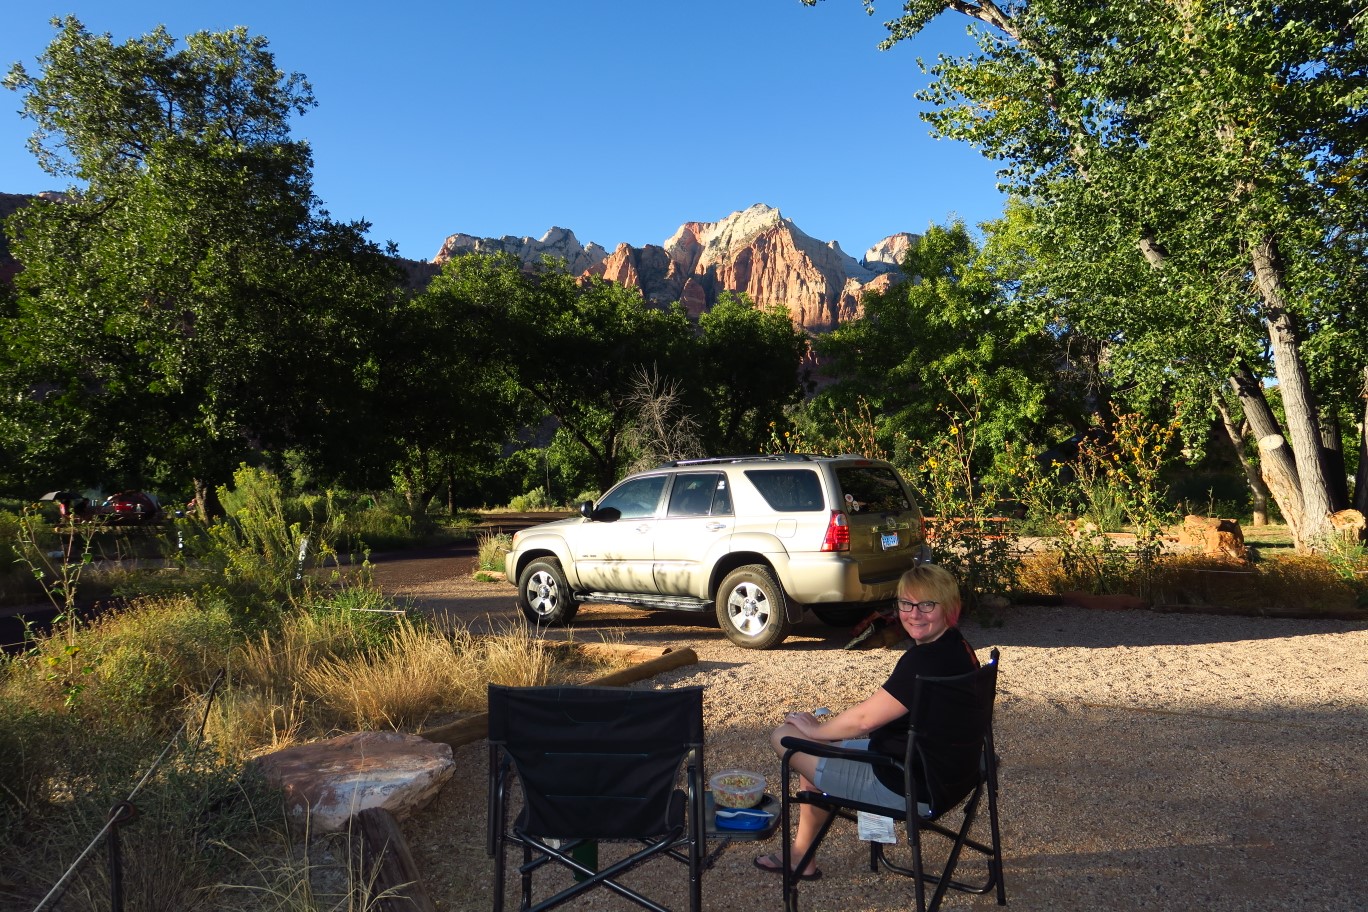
(947, 655)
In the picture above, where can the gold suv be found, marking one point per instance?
(756, 539)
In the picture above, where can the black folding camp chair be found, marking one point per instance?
(949, 763)
(595, 764)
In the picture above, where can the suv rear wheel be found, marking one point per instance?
(544, 595)
(752, 608)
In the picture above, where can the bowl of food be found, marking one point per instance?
(737, 789)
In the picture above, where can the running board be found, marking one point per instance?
(645, 600)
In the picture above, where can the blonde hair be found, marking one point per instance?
(928, 581)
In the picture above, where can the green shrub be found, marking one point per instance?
(258, 548)
(535, 499)
(492, 549)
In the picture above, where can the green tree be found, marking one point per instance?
(448, 408)
(1218, 148)
(751, 366)
(949, 335)
(575, 349)
(191, 304)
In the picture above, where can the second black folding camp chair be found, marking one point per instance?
(950, 763)
(595, 764)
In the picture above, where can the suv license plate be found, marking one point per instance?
(889, 539)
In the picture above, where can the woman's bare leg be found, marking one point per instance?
(810, 817)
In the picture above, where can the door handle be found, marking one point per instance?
(715, 526)
(643, 528)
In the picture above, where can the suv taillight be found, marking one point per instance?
(837, 533)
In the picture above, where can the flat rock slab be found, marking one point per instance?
(329, 781)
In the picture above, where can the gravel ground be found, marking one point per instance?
(1149, 761)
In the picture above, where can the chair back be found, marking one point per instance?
(951, 734)
(597, 762)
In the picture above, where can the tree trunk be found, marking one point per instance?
(1299, 402)
(1273, 451)
(1258, 490)
(1361, 477)
(201, 499)
(1277, 467)
(1332, 455)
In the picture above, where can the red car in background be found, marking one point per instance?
(124, 508)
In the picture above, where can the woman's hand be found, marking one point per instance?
(809, 724)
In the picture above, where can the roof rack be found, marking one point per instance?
(726, 460)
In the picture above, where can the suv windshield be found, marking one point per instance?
(788, 490)
(872, 489)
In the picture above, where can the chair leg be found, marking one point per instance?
(918, 872)
(527, 877)
(995, 840)
(790, 879)
(498, 874)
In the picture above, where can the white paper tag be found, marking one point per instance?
(874, 828)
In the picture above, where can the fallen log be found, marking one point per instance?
(622, 652)
(473, 728)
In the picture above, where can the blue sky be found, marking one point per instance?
(618, 119)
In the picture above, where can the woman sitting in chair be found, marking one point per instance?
(928, 609)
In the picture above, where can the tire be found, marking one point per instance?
(752, 608)
(544, 595)
(846, 616)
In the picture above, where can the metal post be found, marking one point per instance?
(120, 815)
(303, 556)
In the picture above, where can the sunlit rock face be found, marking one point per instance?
(560, 243)
(756, 251)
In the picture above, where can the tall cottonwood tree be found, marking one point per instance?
(188, 303)
(1200, 169)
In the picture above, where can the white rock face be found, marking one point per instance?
(558, 242)
(889, 253)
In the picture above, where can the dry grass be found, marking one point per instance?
(1042, 572)
(1291, 585)
(1287, 585)
(313, 677)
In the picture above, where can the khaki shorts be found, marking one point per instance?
(854, 780)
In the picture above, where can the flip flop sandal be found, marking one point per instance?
(776, 866)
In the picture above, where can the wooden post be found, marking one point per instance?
(387, 865)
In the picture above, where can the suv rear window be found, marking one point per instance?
(788, 490)
(872, 489)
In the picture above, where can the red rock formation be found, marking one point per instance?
(756, 251)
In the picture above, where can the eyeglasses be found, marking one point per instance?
(907, 605)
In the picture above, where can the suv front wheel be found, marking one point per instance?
(544, 595)
(752, 608)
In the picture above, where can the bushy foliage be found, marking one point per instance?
(535, 499)
(493, 548)
(258, 549)
(968, 537)
(1114, 483)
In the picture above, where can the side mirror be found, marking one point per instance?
(586, 509)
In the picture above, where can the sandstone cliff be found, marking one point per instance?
(558, 242)
(756, 251)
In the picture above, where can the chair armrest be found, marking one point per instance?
(827, 749)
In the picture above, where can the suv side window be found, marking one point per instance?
(635, 498)
(697, 495)
(788, 490)
(872, 489)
